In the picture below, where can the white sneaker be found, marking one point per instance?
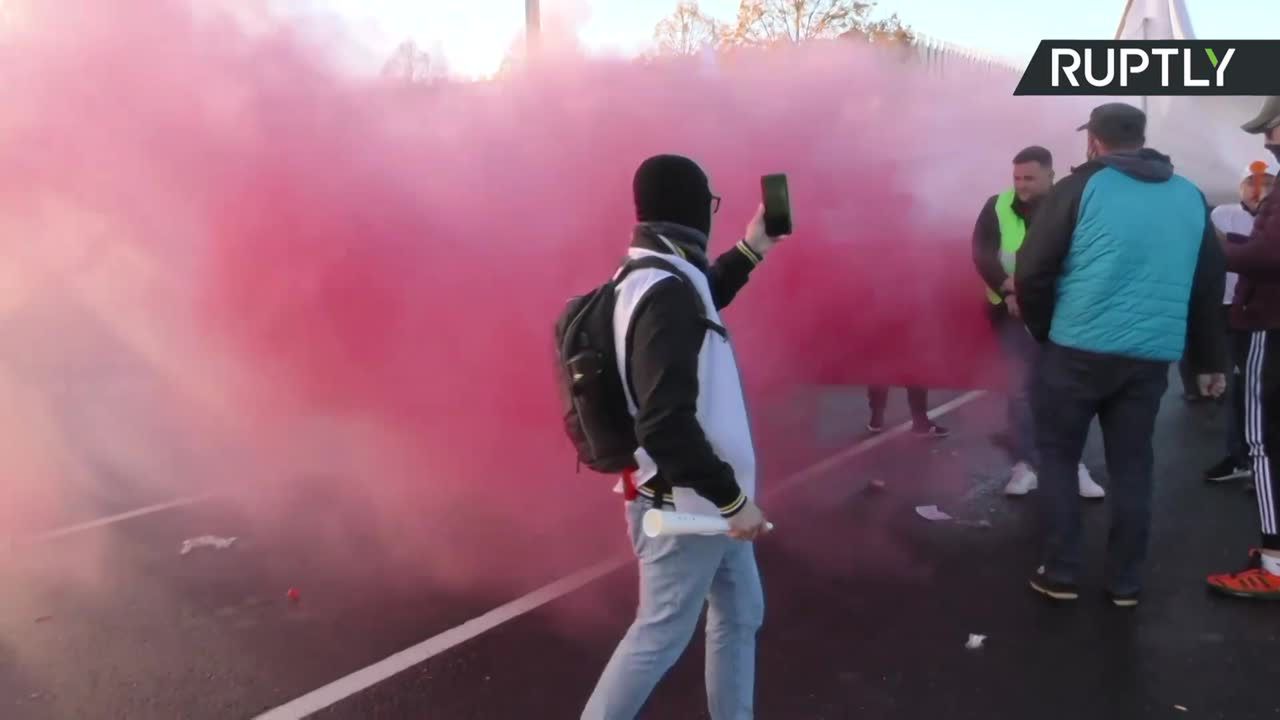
(1088, 488)
(1022, 481)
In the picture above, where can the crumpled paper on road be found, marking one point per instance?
(212, 541)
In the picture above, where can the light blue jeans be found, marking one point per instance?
(678, 575)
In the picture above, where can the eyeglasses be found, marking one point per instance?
(715, 204)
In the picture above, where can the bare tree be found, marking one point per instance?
(408, 64)
(888, 29)
(768, 22)
(687, 31)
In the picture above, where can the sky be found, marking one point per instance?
(475, 35)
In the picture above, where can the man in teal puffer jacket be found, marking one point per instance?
(1120, 272)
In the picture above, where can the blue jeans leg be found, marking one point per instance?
(1128, 420)
(735, 613)
(1065, 401)
(677, 577)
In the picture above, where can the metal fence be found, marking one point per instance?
(938, 55)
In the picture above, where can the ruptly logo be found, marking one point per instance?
(1156, 67)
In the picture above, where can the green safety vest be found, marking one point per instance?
(1013, 230)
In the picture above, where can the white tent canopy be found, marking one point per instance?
(1155, 20)
(1201, 133)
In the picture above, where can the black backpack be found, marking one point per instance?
(596, 417)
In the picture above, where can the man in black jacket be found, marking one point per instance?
(696, 450)
(1255, 315)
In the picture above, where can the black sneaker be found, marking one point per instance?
(876, 423)
(1053, 589)
(1226, 471)
(929, 429)
(1123, 600)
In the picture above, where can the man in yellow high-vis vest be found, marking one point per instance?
(1000, 230)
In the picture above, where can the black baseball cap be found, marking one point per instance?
(1117, 124)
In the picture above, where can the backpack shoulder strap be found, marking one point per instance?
(648, 262)
(657, 262)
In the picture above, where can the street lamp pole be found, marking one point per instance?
(532, 26)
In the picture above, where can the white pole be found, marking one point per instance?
(532, 26)
(1146, 19)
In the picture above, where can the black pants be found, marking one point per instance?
(1070, 388)
(1261, 380)
(1236, 443)
(917, 400)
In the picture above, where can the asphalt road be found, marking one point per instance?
(869, 605)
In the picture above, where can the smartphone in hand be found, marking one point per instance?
(777, 205)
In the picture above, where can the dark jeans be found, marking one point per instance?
(1071, 387)
(1237, 445)
(917, 400)
(1020, 351)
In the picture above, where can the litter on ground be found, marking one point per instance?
(212, 541)
(932, 513)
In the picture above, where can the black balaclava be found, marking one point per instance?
(672, 188)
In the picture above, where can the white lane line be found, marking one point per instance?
(110, 520)
(343, 688)
(360, 680)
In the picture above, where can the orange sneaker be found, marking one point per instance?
(1254, 583)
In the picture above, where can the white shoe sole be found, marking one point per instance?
(1098, 494)
(1228, 478)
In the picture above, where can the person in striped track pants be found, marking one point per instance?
(1255, 315)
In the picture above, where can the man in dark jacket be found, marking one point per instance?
(696, 451)
(1237, 218)
(1255, 314)
(1120, 266)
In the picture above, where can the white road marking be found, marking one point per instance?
(110, 520)
(343, 688)
(870, 443)
(360, 680)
